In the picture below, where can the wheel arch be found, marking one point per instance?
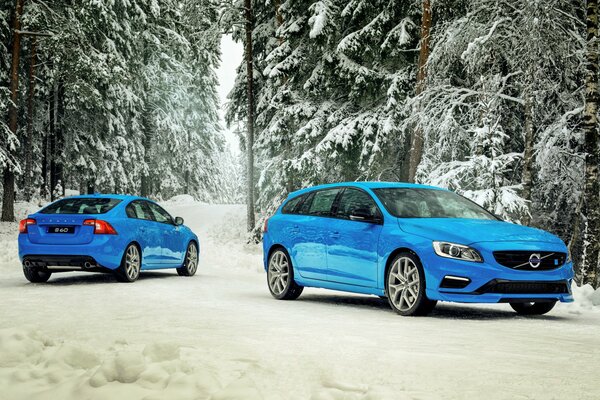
(196, 242)
(388, 262)
(274, 247)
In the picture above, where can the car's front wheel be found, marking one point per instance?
(35, 275)
(533, 308)
(405, 286)
(280, 276)
(131, 264)
(190, 265)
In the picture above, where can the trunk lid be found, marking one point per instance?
(60, 229)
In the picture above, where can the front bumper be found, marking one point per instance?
(490, 282)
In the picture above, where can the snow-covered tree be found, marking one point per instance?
(124, 91)
(523, 57)
(332, 73)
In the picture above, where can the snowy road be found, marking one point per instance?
(220, 335)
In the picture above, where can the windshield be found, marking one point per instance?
(429, 203)
(81, 206)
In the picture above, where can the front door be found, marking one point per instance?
(142, 224)
(172, 247)
(353, 238)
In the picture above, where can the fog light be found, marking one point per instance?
(454, 282)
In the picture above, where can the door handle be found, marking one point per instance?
(334, 234)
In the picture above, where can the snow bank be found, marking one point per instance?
(33, 366)
(182, 199)
(586, 297)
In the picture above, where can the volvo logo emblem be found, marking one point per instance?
(535, 260)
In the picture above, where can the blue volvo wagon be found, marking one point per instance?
(413, 244)
(105, 233)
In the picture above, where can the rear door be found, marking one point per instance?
(309, 250)
(62, 221)
(353, 237)
(171, 239)
(144, 232)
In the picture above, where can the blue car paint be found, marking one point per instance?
(355, 259)
(162, 245)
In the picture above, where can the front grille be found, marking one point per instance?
(520, 260)
(528, 287)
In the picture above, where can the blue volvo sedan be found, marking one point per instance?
(413, 244)
(105, 233)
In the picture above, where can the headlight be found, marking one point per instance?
(456, 251)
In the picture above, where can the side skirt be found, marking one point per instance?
(342, 287)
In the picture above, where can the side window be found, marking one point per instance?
(136, 209)
(353, 201)
(291, 205)
(322, 202)
(159, 214)
(304, 207)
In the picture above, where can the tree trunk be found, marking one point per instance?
(250, 122)
(590, 126)
(60, 137)
(416, 142)
(146, 186)
(52, 143)
(44, 191)
(527, 177)
(278, 18)
(28, 145)
(8, 180)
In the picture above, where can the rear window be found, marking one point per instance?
(81, 206)
(291, 206)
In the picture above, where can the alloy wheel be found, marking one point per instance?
(191, 260)
(403, 284)
(132, 262)
(278, 272)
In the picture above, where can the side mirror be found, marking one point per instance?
(178, 221)
(365, 215)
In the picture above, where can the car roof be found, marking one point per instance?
(107, 196)
(366, 185)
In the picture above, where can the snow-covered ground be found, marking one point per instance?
(220, 335)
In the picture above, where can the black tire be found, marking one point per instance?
(190, 263)
(123, 273)
(286, 289)
(396, 289)
(534, 308)
(35, 275)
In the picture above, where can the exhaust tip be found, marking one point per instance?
(27, 264)
(87, 264)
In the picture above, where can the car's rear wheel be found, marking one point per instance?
(35, 275)
(405, 286)
(280, 276)
(533, 308)
(190, 265)
(131, 264)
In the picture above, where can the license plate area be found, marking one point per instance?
(61, 229)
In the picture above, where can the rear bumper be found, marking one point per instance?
(62, 263)
(105, 251)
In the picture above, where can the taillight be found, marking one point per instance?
(266, 226)
(24, 223)
(100, 227)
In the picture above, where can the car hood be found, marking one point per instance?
(468, 231)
